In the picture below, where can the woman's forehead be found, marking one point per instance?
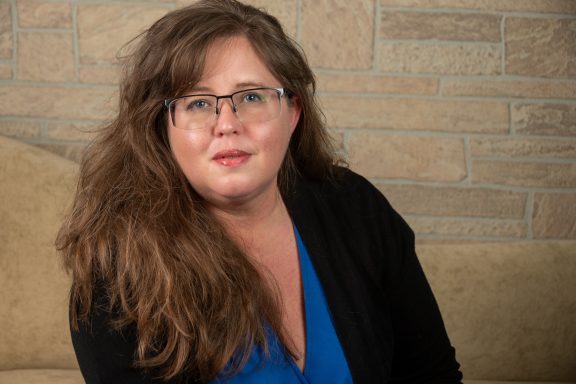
(234, 63)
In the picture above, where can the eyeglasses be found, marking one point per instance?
(255, 105)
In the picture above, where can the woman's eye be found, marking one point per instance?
(252, 98)
(198, 104)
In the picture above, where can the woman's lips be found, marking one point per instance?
(231, 158)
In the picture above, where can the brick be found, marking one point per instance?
(103, 29)
(14, 128)
(44, 14)
(338, 34)
(544, 119)
(376, 84)
(72, 152)
(554, 215)
(453, 201)
(440, 26)
(406, 157)
(524, 174)
(541, 47)
(58, 102)
(46, 56)
(71, 131)
(448, 59)
(510, 88)
(412, 114)
(467, 227)
(286, 11)
(6, 39)
(540, 6)
(521, 147)
(99, 75)
(5, 72)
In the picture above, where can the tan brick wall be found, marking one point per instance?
(463, 112)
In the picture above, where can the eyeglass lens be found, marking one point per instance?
(200, 111)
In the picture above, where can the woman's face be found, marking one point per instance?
(231, 163)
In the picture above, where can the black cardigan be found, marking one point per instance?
(385, 314)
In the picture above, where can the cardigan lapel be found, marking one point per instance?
(343, 283)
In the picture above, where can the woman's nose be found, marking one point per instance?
(227, 119)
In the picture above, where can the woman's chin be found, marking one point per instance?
(238, 193)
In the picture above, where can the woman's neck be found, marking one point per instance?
(254, 218)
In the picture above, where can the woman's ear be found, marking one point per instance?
(294, 109)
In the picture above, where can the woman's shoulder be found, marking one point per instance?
(344, 201)
(347, 180)
(346, 189)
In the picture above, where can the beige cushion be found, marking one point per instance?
(35, 187)
(509, 308)
(41, 376)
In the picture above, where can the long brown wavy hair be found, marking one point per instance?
(138, 230)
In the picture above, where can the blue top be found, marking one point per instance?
(325, 361)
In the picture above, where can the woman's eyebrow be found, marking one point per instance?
(251, 84)
(237, 87)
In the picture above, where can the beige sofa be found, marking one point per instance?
(510, 308)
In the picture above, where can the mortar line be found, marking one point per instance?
(453, 10)
(15, 38)
(75, 41)
(468, 160)
(376, 36)
(503, 43)
(530, 214)
(299, 21)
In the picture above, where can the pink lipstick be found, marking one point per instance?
(231, 158)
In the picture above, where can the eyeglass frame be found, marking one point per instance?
(281, 91)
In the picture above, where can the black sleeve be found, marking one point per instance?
(383, 309)
(105, 355)
(422, 350)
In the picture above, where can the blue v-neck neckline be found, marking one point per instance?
(324, 360)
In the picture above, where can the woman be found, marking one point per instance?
(214, 238)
